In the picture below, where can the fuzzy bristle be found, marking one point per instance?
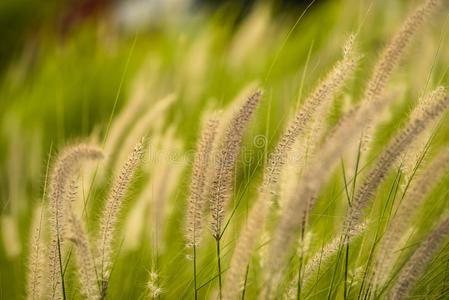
(428, 111)
(65, 166)
(419, 261)
(112, 210)
(419, 188)
(228, 151)
(392, 54)
(197, 198)
(36, 258)
(323, 93)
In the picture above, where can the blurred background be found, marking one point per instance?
(63, 65)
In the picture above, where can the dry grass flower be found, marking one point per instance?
(64, 168)
(197, 198)
(428, 111)
(111, 212)
(226, 157)
(419, 261)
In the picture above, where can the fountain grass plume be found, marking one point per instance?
(222, 175)
(329, 250)
(396, 49)
(196, 201)
(109, 218)
(65, 166)
(154, 289)
(436, 103)
(36, 261)
(225, 159)
(420, 187)
(417, 263)
(343, 137)
(325, 92)
(393, 53)
(83, 256)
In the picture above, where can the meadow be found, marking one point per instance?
(230, 153)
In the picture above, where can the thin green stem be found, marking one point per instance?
(354, 181)
(286, 39)
(244, 283)
(60, 266)
(345, 182)
(301, 259)
(111, 116)
(346, 271)
(329, 295)
(219, 267)
(194, 271)
(117, 95)
(298, 291)
(391, 196)
(209, 281)
(345, 291)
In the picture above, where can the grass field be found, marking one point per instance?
(221, 154)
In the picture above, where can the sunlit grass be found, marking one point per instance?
(98, 85)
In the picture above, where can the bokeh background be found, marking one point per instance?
(63, 65)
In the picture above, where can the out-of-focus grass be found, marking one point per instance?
(59, 90)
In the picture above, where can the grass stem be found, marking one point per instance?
(194, 271)
(244, 283)
(219, 267)
(60, 268)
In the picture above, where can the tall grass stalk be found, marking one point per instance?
(428, 110)
(393, 53)
(65, 166)
(314, 176)
(419, 261)
(298, 227)
(111, 211)
(425, 181)
(226, 157)
(323, 93)
(197, 198)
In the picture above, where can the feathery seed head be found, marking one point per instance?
(316, 172)
(396, 235)
(314, 108)
(226, 157)
(67, 163)
(425, 102)
(428, 111)
(87, 273)
(112, 209)
(348, 48)
(154, 288)
(36, 258)
(196, 201)
(325, 91)
(391, 57)
(395, 50)
(59, 201)
(419, 261)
